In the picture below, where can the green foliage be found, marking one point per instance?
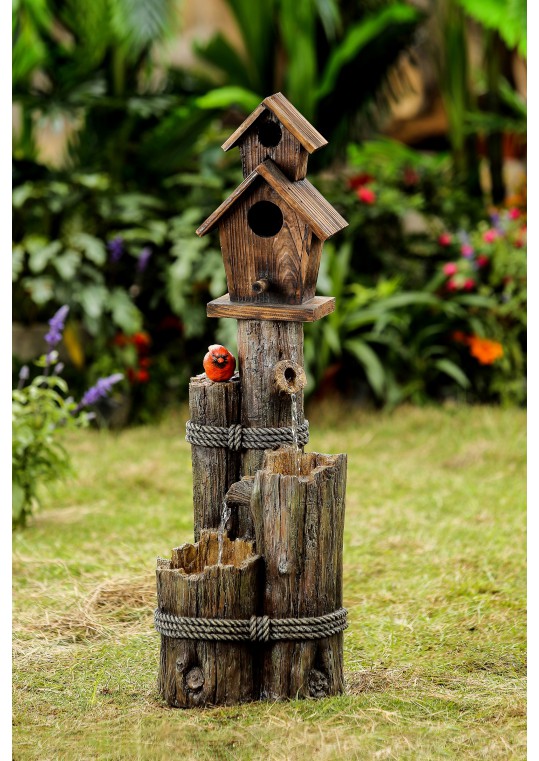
(327, 52)
(41, 411)
(392, 334)
(507, 17)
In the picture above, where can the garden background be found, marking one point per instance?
(120, 109)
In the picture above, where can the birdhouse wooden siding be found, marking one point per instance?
(278, 131)
(273, 225)
(271, 232)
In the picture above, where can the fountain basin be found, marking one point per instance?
(197, 672)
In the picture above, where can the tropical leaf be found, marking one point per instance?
(224, 97)
(507, 17)
(453, 371)
(371, 364)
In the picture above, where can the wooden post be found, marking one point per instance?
(201, 672)
(299, 522)
(214, 468)
(261, 345)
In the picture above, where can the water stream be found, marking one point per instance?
(225, 515)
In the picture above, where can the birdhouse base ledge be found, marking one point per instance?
(309, 311)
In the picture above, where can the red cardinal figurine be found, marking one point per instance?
(219, 363)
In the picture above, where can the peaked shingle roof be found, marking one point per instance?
(289, 116)
(303, 197)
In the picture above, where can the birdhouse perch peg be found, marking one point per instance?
(273, 226)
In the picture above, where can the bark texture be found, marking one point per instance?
(261, 344)
(214, 468)
(298, 505)
(199, 672)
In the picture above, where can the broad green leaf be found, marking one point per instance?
(40, 255)
(124, 313)
(454, 371)
(93, 248)
(17, 262)
(225, 97)
(93, 299)
(371, 364)
(67, 264)
(41, 289)
(358, 36)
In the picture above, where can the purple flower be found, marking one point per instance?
(54, 336)
(100, 390)
(144, 258)
(116, 248)
(58, 368)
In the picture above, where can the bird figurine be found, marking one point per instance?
(219, 363)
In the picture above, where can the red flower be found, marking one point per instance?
(451, 285)
(444, 239)
(142, 341)
(482, 261)
(469, 284)
(142, 376)
(450, 268)
(359, 180)
(366, 195)
(514, 213)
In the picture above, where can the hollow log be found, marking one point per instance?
(192, 584)
(298, 505)
(214, 468)
(261, 345)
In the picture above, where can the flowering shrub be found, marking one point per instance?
(41, 409)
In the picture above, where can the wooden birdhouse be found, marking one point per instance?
(276, 130)
(272, 227)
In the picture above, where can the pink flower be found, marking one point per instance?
(366, 195)
(490, 236)
(444, 239)
(482, 261)
(514, 213)
(466, 250)
(450, 269)
(469, 284)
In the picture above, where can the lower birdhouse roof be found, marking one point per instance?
(290, 118)
(303, 197)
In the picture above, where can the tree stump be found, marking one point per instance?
(214, 468)
(298, 505)
(201, 672)
(261, 345)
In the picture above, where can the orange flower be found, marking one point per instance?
(484, 350)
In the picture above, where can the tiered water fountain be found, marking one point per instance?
(253, 609)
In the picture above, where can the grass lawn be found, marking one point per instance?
(434, 581)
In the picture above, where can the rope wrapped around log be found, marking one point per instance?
(238, 437)
(254, 629)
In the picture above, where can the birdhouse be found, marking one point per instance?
(276, 130)
(272, 227)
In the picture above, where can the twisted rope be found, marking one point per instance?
(237, 437)
(254, 629)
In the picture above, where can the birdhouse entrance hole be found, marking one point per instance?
(265, 219)
(269, 134)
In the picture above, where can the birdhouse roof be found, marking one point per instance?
(303, 197)
(290, 118)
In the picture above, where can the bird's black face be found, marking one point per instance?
(220, 359)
